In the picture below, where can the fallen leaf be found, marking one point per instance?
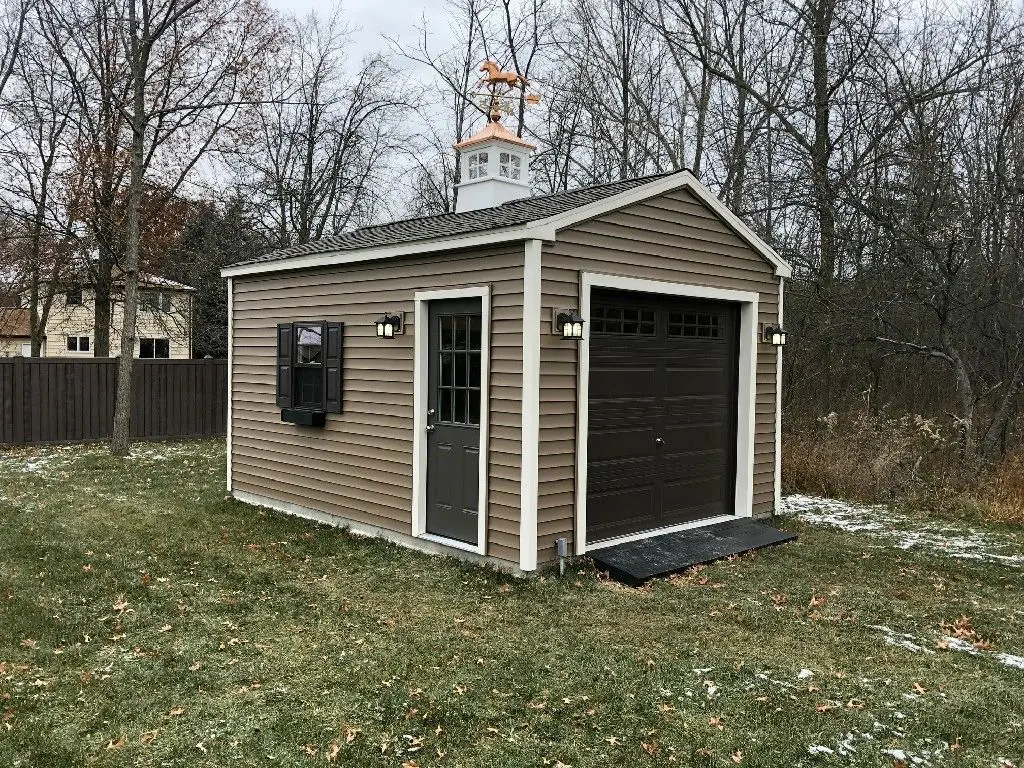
(332, 752)
(737, 756)
(119, 744)
(918, 688)
(717, 722)
(651, 748)
(28, 643)
(351, 733)
(176, 711)
(148, 737)
(195, 666)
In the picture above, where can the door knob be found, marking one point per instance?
(430, 427)
(659, 441)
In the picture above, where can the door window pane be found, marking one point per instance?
(458, 381)
(447, 369)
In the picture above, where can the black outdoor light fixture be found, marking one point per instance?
(774, 334)
(568, 325)
(389, 326)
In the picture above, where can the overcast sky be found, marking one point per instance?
(375, 18)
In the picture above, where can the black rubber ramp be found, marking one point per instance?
(636, 562)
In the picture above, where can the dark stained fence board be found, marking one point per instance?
(59, 400)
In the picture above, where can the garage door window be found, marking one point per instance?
(626, 321)
(695, 325)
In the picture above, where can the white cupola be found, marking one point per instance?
(495, 167)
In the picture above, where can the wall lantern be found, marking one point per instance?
(389, 326)
(568, 324)
(774, 334)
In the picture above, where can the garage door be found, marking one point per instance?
(662, 424)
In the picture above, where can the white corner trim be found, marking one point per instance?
(746, 391)
(541, 229)
(231, 357)
(421, 357)
(529, 462)
(778, 410)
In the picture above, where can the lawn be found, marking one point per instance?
(145, 619)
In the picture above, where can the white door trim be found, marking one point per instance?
(746, 393)
(421, 357)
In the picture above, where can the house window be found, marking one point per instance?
(155, 301)
(694, 325)
(478, 165)
(309, 366)
(78, 343)
(309, 372)
(154, 348)
(73, 297)
(509, 165)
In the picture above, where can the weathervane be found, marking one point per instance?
(499, 97)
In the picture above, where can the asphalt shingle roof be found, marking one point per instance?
(514, 213)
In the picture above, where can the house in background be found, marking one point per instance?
(525, 375)
(15, 335)
(163, 325)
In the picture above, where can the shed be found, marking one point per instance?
(594, 364)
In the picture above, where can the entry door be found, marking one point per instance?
(662, 412)
(453, 419)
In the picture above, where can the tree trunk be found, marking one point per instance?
(121, 440)
(821, 150)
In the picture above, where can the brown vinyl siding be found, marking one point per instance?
(674, 238)
(359, 467)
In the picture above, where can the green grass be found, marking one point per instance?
(147, 620)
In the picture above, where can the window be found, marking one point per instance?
(694, 325)
(155, 301)
(509, 165)
(478, 165)
(458, 386)
(309, 363)
(154, 349)
(78, 343)
(629, 321)
(73, 297)
(309, 371)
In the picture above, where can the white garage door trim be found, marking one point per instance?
(746, 393)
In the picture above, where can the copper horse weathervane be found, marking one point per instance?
(500, 86)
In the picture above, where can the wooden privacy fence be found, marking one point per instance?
(59, 400)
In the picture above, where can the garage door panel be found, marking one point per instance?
(616, 383)
(615, 513)
(695, 381)
(662, 410)
(621, 443)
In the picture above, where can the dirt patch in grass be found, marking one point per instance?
(149, 621)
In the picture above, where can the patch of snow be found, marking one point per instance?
(1010, 660)
(900, 639)
(819, 749)
(805, 674)
(900, 531)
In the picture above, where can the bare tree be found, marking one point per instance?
(317, 149)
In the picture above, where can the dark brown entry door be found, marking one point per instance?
(453, 422)
(662, 420)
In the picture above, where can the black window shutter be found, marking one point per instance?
(284, 365)
(333, 383)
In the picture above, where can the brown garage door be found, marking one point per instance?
(662, 422)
